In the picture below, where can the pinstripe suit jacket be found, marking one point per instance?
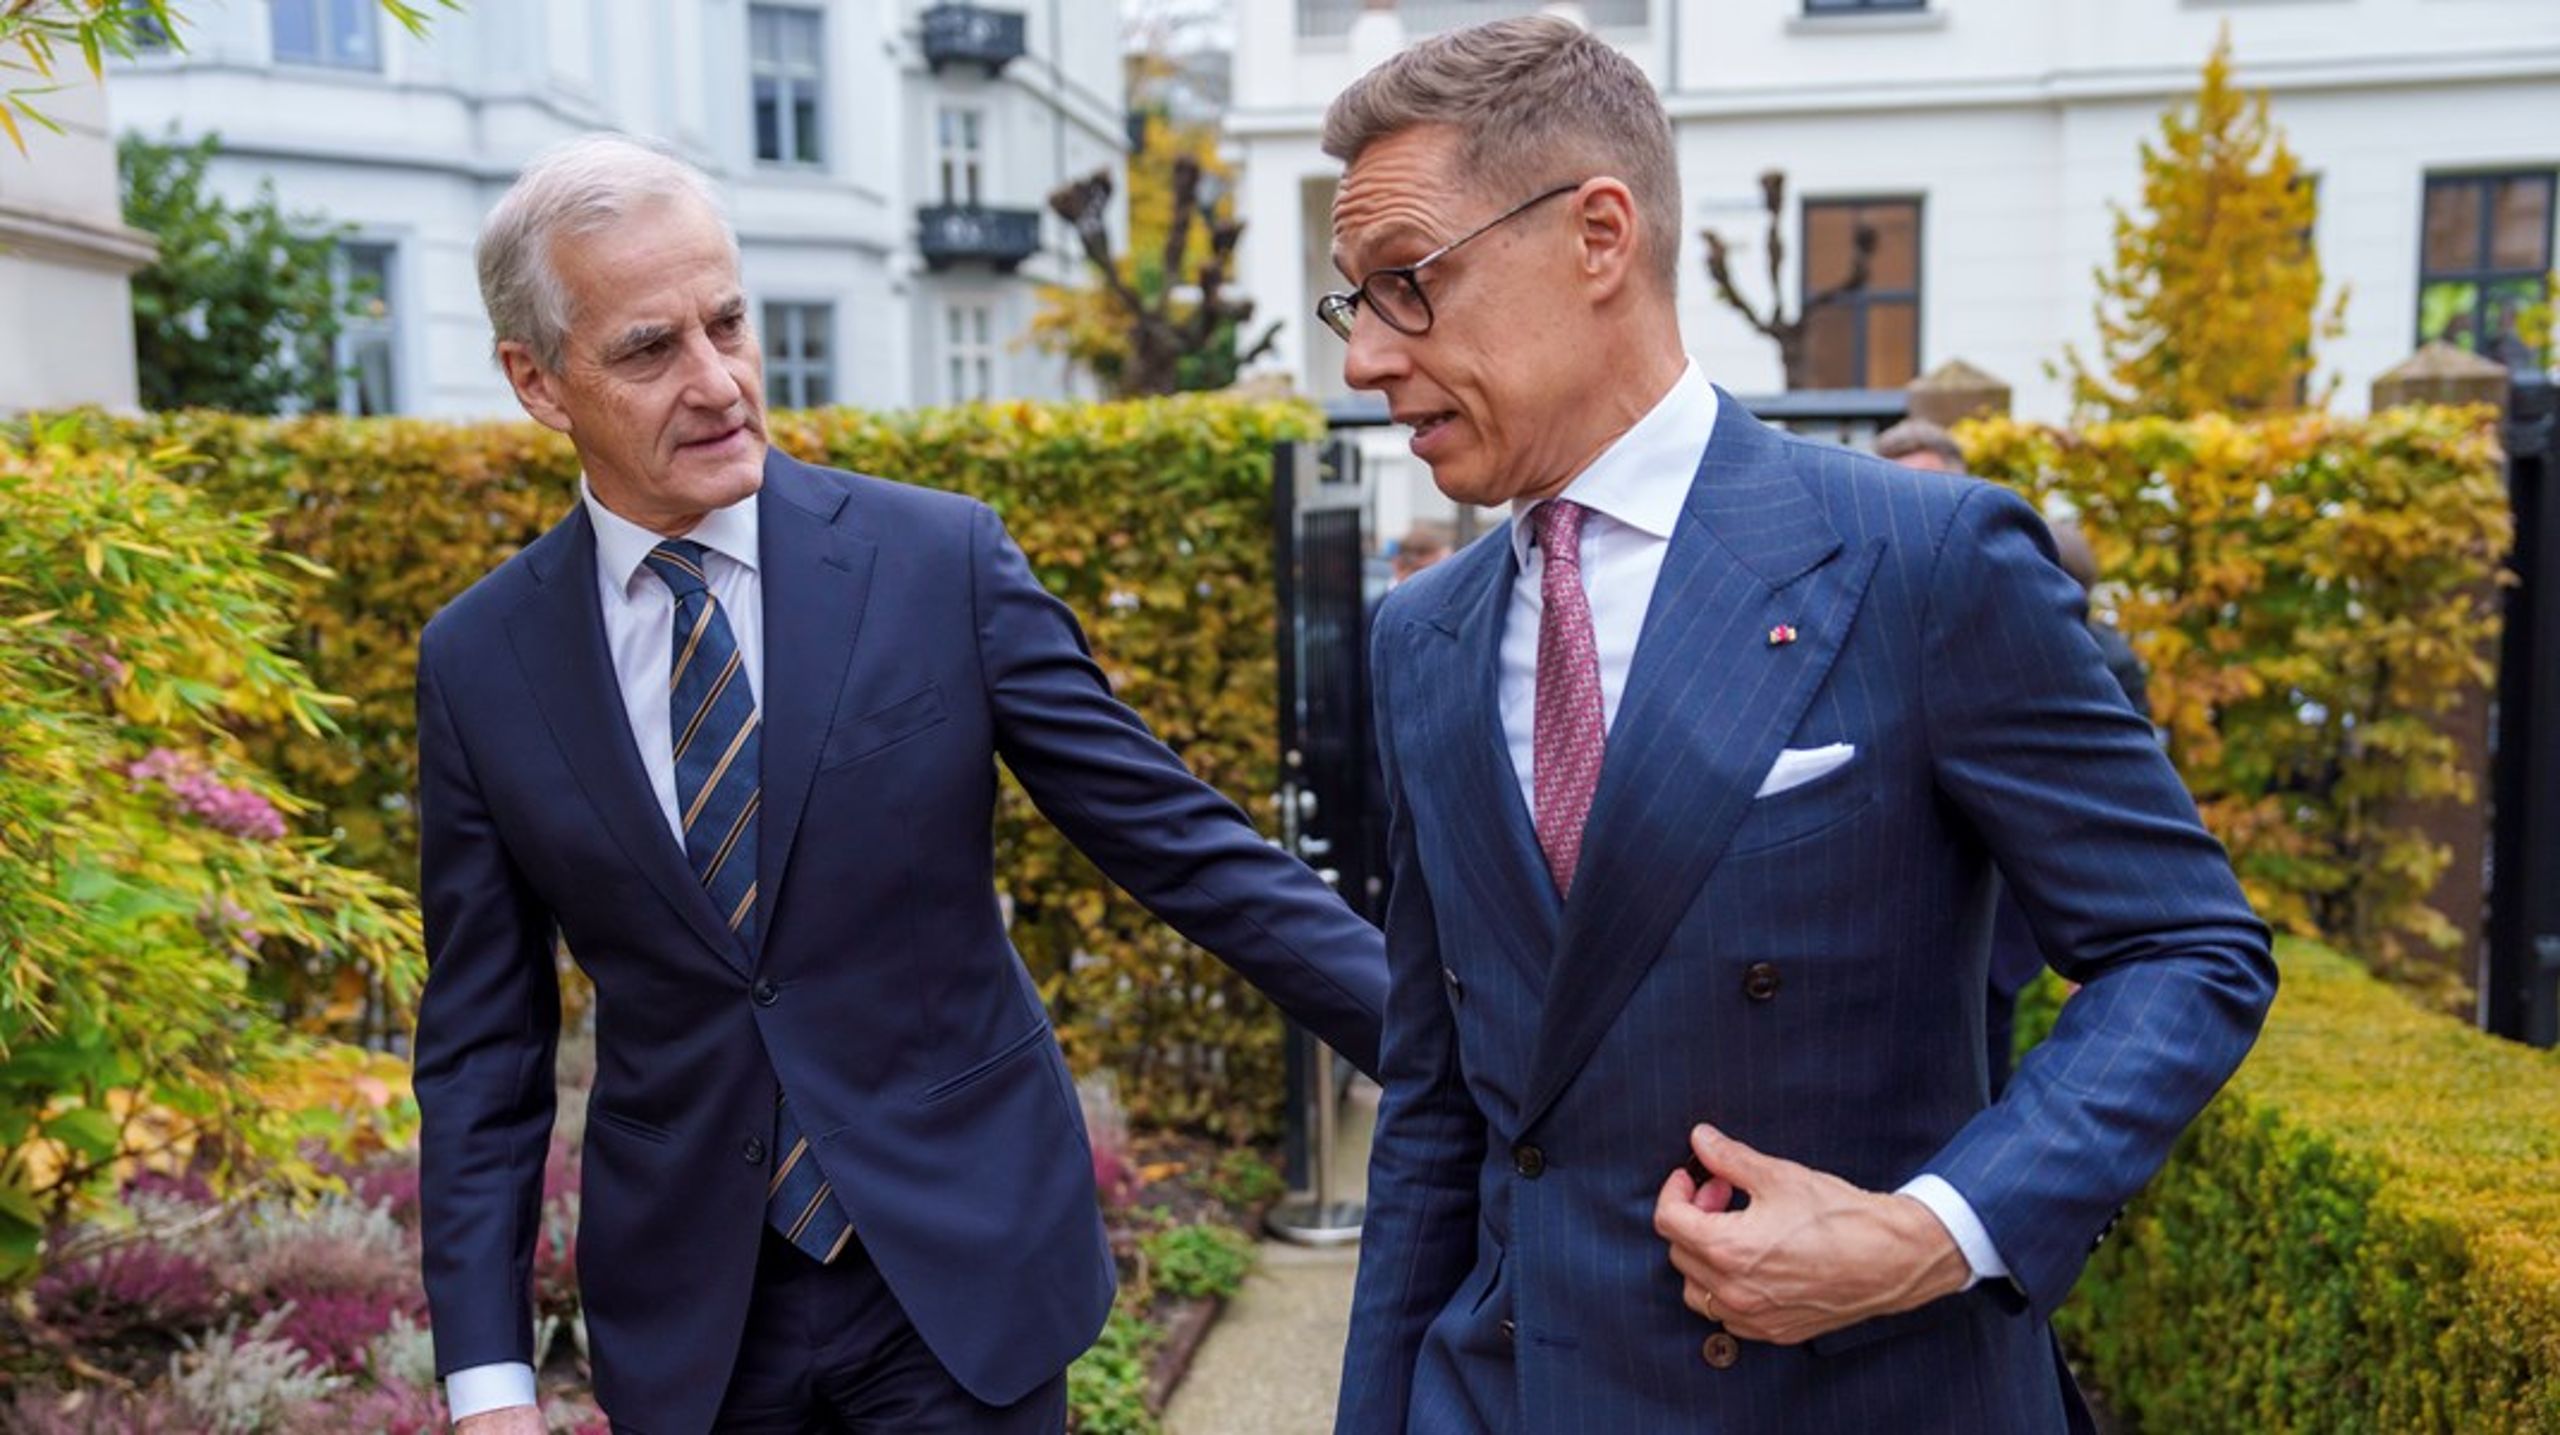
(1804, 970)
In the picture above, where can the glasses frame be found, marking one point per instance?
(1339, 308)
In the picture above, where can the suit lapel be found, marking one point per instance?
(1461, 676)
(558, 636)
(816, 575)
(1709, 703)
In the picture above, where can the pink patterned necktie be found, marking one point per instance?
(1571, 730)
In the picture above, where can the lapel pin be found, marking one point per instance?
(1782, 635)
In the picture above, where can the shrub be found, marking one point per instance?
(2362, 1233)
(2313, 595)
(140, 1289)
(1201, 1260)
(146, 885)
(1150, 519)
(1107, 1385)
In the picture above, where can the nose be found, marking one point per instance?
(1375, 354)
(709, 380)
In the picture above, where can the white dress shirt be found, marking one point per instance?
(1635, 491)
(639, 631)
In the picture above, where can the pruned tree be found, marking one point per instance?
(2213, 300)
(1162, 319)
(1788, 333)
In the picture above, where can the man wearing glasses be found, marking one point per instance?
(1698, 774)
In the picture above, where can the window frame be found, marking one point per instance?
(1862, 300)
(788, 79)
(2482, 275)
(1826, 9)
(969, 160)
(786, 380)
(960, 349)
(331, 53)
(353, 332)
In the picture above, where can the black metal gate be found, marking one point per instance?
(2520, 991)
(1318, 508)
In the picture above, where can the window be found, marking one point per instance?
(788, 68)
(2487, 247)
(961, 135)
(143, 26)
(799, 355)
(344, 33)
(970, 351)
(1868, 338)
(369, 336)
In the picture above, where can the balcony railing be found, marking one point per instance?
(950, 234)
(972, 35)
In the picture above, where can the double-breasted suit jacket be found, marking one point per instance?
(1805, 970)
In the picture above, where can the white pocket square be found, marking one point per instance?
(1797, 766)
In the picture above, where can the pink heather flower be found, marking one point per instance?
(235, 810)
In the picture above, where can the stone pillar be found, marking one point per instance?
(1954, 391)
(2440, 373)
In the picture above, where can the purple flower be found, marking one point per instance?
(201, 795)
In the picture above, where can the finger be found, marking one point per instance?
(1737, 1163)
(1716, 1195)
(1677, 1194)
(1698, 1299)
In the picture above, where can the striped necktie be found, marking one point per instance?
(719, 788)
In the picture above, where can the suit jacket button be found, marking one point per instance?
(753, 1150)
(1457, 988)
(765, 992)
(1528, 1160)
(1760, 981)
(1722, 1350)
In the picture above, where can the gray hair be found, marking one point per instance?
(1919, 436)
(1540, 101)
(577, 186)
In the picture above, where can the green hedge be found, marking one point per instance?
(2361, 1234)
(1150, 519)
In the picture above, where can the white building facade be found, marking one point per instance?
(66, 262)
(1985, 140)
(885, 162)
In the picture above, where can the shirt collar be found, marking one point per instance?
(622, 545)
(1643, 479)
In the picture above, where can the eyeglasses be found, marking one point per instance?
(1395, 295)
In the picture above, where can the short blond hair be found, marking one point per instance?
(1540, 101)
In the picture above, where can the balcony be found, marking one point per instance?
(972, 35)
(952, 234)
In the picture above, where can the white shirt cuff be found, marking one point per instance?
(1956, 1214)
(484, 1388)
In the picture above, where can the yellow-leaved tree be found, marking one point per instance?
(2214, 297)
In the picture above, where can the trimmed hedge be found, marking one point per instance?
(2314, 595)
(2362, 1233)
(1150, 519)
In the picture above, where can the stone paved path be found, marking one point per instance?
(1273, 1362)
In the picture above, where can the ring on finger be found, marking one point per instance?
(1707, 1307)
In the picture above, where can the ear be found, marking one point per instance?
(1609, 235)
(537, 388)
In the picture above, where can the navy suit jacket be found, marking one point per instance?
(1805, 971)
(907, 647)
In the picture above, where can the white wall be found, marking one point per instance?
(417, 153)
(2016, 122)
(65, 256)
